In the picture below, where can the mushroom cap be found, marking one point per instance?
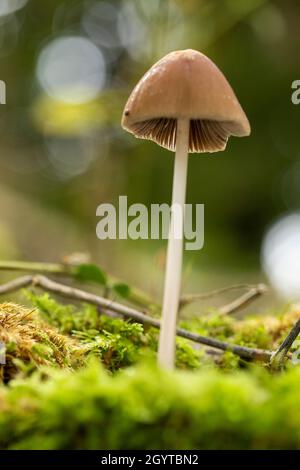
(185, 85)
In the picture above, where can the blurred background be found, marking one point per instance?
(69, 67)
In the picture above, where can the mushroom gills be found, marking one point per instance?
(204, 136)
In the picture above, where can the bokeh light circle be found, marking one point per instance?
(71, 69)
(281, 255)
(7, 7)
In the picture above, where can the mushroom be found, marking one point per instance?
(184, 104)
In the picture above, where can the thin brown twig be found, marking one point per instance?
(244, 300)
(16, 284)
(254, 291)
(137, 296)
(70, 270)
(190, 298)
(128, 312)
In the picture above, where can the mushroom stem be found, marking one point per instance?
(166, 349)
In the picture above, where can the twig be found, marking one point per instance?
(129, 312)
(16, 284)
(137, 296)
(254, 291)
(50, 268)
(69, 270)
(190, 298)
(244, 300)
(279, 355)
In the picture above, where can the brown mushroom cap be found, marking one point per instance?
(185, 84)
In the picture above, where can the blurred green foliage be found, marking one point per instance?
(146, 408)
(132, 404)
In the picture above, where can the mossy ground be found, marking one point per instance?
(75, 378)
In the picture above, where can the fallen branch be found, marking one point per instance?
(137, 296)
(128, 312)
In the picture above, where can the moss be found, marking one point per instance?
(65, 317)
(118, 343)
(75, 378)
(214, 325)
(265, 331)
(30, 342)
(145, 408)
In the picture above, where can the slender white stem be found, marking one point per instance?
(166, 349)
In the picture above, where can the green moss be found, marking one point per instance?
(65, 317)
(214, 325)
(79, 379)
(253, 337)
(118, 343)
(146, 408)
